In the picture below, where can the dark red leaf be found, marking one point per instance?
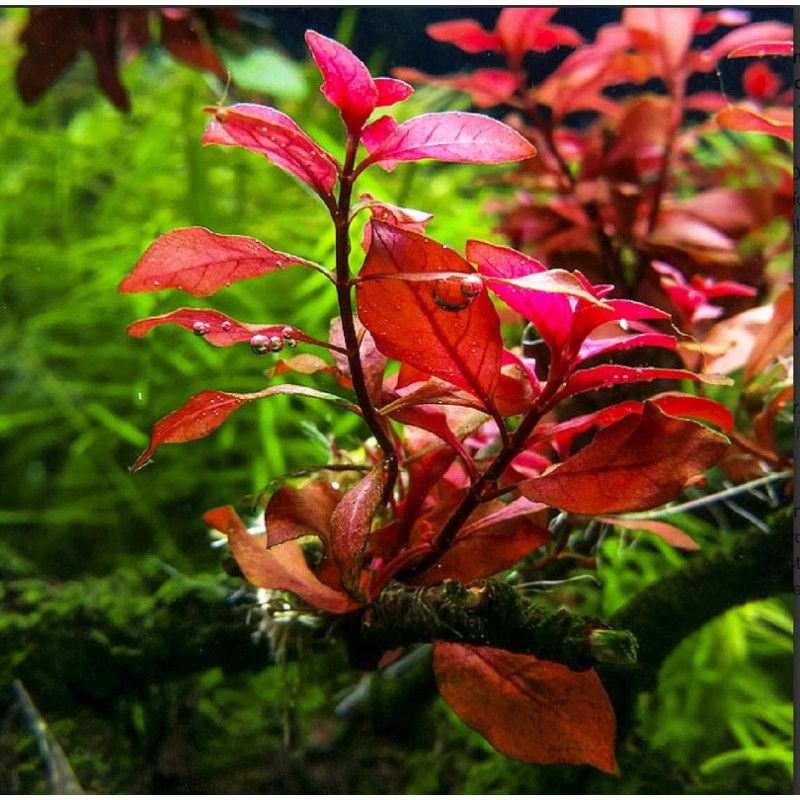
(493, 539)
(292, 513)
(281, 568)
(181, 37)
(413, 323)
(531, 710)
(452, 136)
(200, 262)
(278, 138)
(351, 525)
(639, 462)
(222, 331)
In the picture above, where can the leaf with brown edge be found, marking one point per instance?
(200, 262)
(351, 525)
(445, 332)
(202, 414)
(281, 568)
(221, 330)
(638, 462)
(535, 711)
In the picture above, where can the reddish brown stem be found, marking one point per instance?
(341, 219)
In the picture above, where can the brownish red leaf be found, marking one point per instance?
(639, 462)
(283, 567)
(531, 710)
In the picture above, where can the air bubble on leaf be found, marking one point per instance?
(276, 343)
(288, 333)
(227, 326)
(448, 295)
(625, 325)
(638, 373)
(156, 283)
(471, 286)
(260, 344)
(201, 328)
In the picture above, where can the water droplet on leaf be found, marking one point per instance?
(260, 344)
(471, 286)
(201, 328)
(227, 326)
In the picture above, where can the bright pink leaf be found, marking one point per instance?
(391, 91)
(277, 137)
(668, 31)
(524, 29)
(351, 525)
(756, 34)
(456, 338)
(222, 331)
(530, 710)
(455, 136)
(669, 533)
(639, 462)
(281, 568)
(347, 82)
(200, 262)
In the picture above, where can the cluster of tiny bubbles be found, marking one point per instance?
(201, 328)
(262, 344)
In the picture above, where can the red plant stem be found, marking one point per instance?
(341, 219)
(475, 495)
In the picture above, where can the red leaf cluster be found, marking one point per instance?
(471, 444)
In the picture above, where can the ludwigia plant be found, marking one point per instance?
(469, 452)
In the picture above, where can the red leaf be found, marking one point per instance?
(347, 82)
(756, 34)
(292, 513)
(634, 464)
(202, 414)
(452, 136)
(467, 34)
(279, 138)
(669, 533)
(282, 568)
(200, 262)
(493, 539)
(222, 331)
(669, 33)
(351, 525)
(180, 37)
(761, 49)
(488, 87)
(523, 29)
(605, 375)
(531, 710)
(413, 323)
(195, 419)
(737, 118)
